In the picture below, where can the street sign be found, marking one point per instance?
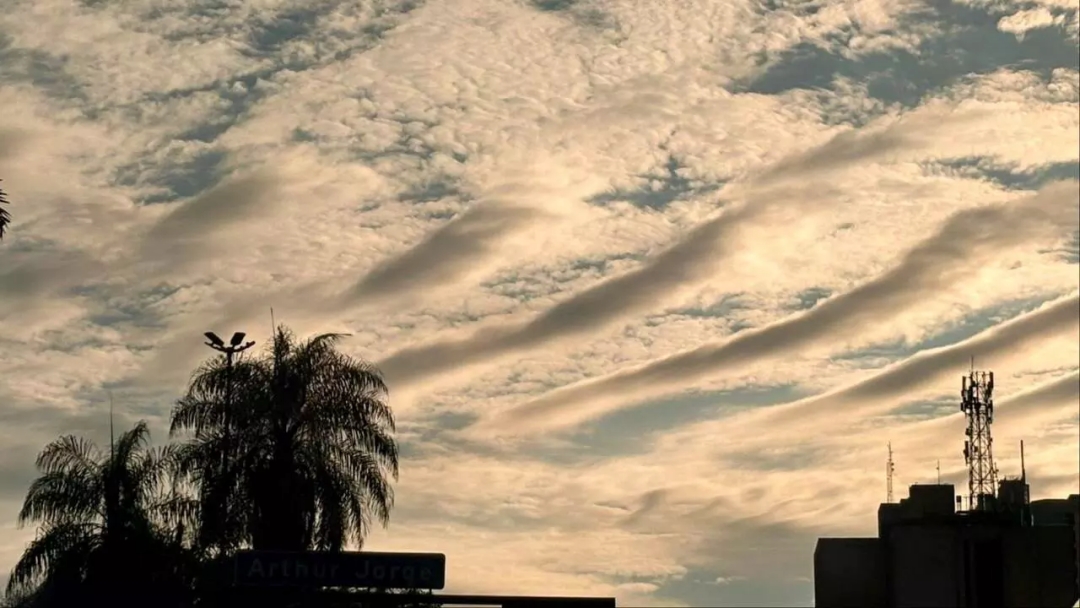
(341, 569)
(345, 599)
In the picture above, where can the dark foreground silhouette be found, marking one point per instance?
(289, 450)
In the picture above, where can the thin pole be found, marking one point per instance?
(112, 433)
(1023, 469)
(889, 469)
(228, 386)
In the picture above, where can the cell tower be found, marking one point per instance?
(889, 470)
(977, 403)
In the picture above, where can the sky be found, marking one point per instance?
(653, 283)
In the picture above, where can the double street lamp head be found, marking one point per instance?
(236, 343)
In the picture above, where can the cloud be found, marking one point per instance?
(844, 149)
(38, 288)
(542, 194)
(965, 241)
(220, 208)
(577, 189)
(690, 259)
(13, 141)
(886, 390)
(1023, 21)
(29, 277)
(186, 231)
(1029, 409)
(1064, 389)
(1010, 338)
(444, 254)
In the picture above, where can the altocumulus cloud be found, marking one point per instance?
(586, 224)
(685, 262)
(960, 246)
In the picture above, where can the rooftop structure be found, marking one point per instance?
(928, 554)
(1002, 551)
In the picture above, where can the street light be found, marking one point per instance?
(236, 345)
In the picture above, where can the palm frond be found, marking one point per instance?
(106, 519)
(293, 446)
(69, 453)
(22, 598)
(68, 544)
(62, 496)
(130, 443)
(5, 216)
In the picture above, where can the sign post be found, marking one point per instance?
(313, 569)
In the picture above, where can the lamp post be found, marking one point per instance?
(236, 345)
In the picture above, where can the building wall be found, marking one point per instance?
(925, 566)
(1040, 567)
(1075, 500)
(849, 573)
(983, 577)
(930, 500)
(1052, 511)
(930, 560)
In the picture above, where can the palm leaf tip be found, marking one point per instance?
(5, 217)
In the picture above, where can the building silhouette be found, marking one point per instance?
(1008, 553)
(1003, 551)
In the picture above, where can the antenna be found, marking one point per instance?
(112, 434)
(977, 404)
(889, 470)
(274, 341)
(939, 472)
(273, 330)
(1023, 469)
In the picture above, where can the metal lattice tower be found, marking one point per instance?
(977, 403)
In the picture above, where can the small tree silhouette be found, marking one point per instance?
(102, 534)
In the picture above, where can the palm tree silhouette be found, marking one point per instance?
(291, 450)
(103, 532)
